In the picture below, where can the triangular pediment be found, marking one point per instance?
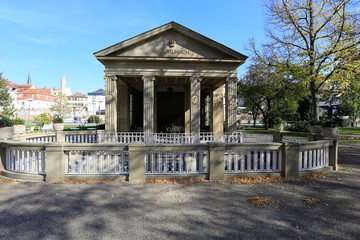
(171, 40)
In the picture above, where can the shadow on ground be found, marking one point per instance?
(307, 209)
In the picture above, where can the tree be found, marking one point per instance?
(61, 106)
(350, 101)
(266, 87)
(6, 102)
(317, 40)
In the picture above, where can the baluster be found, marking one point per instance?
(194, 162)
(87, 162)
(300, 160)
(311, 159)
(274, 160)
(262, 161)
(305, 160)
(30, 156)
(72, 162)
(256, 167)
(268, 158)
(248, 160)
(67, 162)
(152, 162)
(242, 163)
(236, 165)
(101, 162)
(109, 156)
(229, 161)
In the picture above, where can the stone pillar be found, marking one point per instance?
(60, 136)
(110, 103)
(217, 110)
(123, 99)
(333, 155)
(216, 161)
(54, 162)
(148, 103)
(291, 160)
(195, 90)
(137, 153)
(187, 109)
(231, 103)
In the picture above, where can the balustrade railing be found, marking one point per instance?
(25, 160)
(81, 138)
(120, 137)
(173, 162)
(42, 139)
(258, 138)
(296, 139)
(237, 161)
(96, 162)
(313, 158)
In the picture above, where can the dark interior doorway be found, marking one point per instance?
(170, 111)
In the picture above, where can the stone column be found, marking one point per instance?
(195, 88)
(54, 162)
(290, 163)
(122, 107)
(148, 103)
(231, 103)
(187, 109)
(217, 110)
(110, 103)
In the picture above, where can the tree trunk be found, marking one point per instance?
(314, 103)
(254, 118)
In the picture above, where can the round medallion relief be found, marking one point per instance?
(195, 100)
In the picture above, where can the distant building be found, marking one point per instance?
(30, 101)
(96, 102)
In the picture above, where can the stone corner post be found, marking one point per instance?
(137, 153)
(60, 136)
(216, 161)
(2, 157)
(290, 160)
(195, 107)
(333, 155)
(277, 136)
(110, 103)
(54, 162)
(231, 103)
(148, 116)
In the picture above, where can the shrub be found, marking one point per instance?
(42, 119)
(6, 122)
(57, 119)
(302, 126)
(19, 121)
(314, 121)
(93, 119)
(277, 121)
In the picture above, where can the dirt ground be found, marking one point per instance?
(323, 208)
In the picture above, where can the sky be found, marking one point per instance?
(54, 38)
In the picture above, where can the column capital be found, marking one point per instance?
(110, 77)
(195, 78)
(233, 79)
(148, 78)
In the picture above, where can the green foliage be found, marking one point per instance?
(350, 100)
(314, 121)
(57, 119)
(6, 122)
(301, 126)
(61, 106)
(42, 119)
(277, 121)
(93, 119)
(318, 42)
(19, 121)
(267, 88)
(6, 102)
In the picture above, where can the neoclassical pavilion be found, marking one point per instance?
(170, 79)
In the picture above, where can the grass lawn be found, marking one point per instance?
(349, 130)
(253, 128)
(349, 141)
(80, 128)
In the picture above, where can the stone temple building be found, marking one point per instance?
(170, 79)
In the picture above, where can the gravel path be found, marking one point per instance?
(308, 209)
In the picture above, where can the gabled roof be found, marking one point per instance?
(139, 39)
